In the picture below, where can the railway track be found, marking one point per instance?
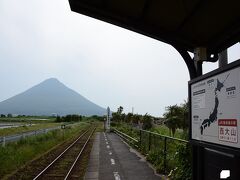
(64, 166)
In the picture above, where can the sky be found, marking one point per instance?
(108, 65)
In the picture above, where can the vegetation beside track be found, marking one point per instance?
(26, 128)
(15, 155)
(28, 124)
(28, 119)
(178, 155)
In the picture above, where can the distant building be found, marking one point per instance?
(54, 114)
(159, 121)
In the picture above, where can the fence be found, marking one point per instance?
(16, 137)
(127, 138)
(161, 149)
(169, 155)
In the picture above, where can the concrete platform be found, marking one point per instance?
(112, 159)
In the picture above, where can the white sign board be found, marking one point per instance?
(215, 109)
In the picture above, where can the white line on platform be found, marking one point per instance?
(108, 146)
(112, 161)
(116, 176)
(110, 152)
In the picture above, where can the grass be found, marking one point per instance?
(15, 155)
(27, 119)
(26, 128)
(127, 129)
(163, 130)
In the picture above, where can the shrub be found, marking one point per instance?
(183, 161)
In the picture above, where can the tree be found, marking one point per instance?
(9, 115)
(118, 116)
(2, 116)
(177, 117)
(173, 118)
(136, 118)
(184, 119)
(128, 118)
(120, 110)
(99, 118)
(69, 118)
(147, 122)
(58, 119)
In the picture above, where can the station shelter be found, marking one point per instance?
(206, 28)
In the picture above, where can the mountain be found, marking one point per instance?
(48, 97)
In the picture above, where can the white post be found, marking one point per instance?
(108, 120)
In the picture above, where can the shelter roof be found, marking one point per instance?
(213, 24)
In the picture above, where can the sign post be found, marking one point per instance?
(215, 108)
(108, 121)
(215, 120)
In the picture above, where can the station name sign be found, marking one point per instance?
(215, 107)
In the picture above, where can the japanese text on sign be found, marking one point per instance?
(227, 130)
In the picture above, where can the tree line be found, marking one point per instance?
(69, 118)
(175, 117)
(144, 121)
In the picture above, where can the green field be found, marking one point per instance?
(15, 155)
(28, 119)
(37, 123)
(26, 128)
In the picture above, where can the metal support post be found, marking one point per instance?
(198, 65)
(165, 154)
(200, 55)
(223, 58)
(149, 142)
(140, 139)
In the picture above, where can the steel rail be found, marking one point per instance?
(124, 134)
(165, 136)
(80, 153)
(59, 156)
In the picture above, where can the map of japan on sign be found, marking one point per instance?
(215, 108)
